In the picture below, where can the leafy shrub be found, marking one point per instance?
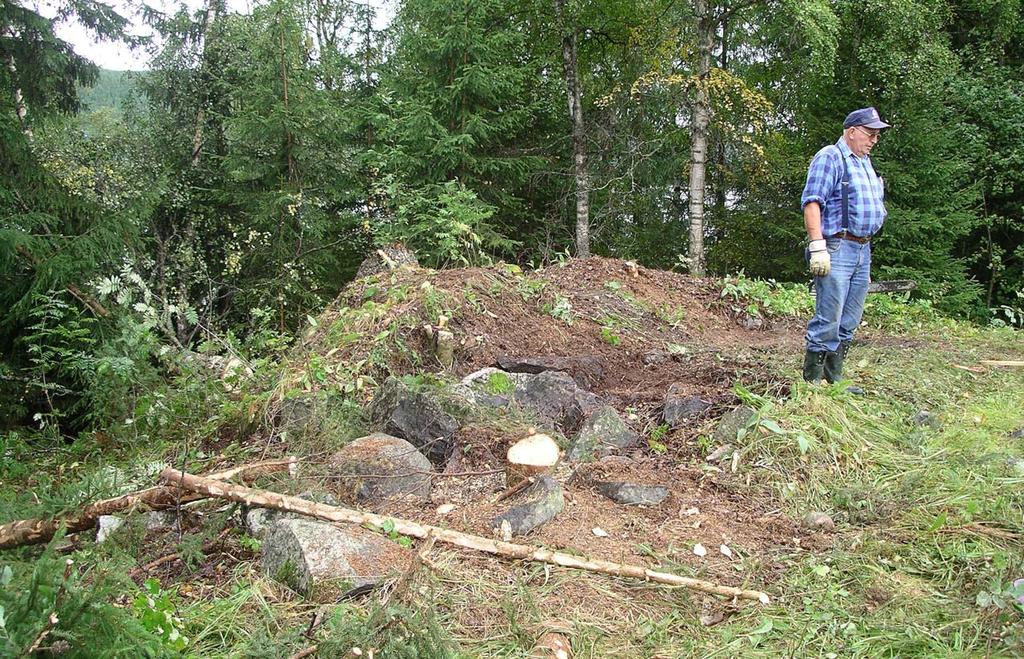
(445, 225)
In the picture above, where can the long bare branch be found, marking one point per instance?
(268, 499)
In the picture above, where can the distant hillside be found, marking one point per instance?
(111, 88)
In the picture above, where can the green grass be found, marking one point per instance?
(929, 524)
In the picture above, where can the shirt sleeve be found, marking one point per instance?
(822, 177)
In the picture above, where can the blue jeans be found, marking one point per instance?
(840, 295)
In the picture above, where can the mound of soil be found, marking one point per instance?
(633, 330)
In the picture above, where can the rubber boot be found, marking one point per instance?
(814, 366)
(834, 362)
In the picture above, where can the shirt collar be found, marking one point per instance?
(845, 149)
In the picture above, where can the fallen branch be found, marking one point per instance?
(39, 530)
(277, 501)
(1001, 362)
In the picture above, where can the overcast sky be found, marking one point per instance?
(119, 57)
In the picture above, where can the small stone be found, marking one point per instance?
(689, 512)
(699, 550)
(603, 431)
(445, 508)
(599, 532)
(1018, 433)
(725, 551)
(711, 619)
(926, 419)
(720, 454)
(730, 425)
(632, 494)
(106, 525)
(679, 408)
(161, 520)
(818, 521)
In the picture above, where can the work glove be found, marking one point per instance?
(821, 262)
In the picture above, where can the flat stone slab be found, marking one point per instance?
(603, 432)
(325, 561)
(632, 494)
(379, 467)
(541, 502)
(415, 414)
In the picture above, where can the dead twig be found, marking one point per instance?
(39, 530)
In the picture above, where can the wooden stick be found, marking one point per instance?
(1001, 362)
(39, 530)
(405, 527)
(305, 652)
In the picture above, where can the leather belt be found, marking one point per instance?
(846, 235)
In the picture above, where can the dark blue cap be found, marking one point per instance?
(867, 117)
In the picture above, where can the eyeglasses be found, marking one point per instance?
(872, 134)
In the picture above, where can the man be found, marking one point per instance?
(843, 209)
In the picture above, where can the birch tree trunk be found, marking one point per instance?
(579, 156)
(19, 100)
(700, 117)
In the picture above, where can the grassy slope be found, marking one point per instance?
(926, 519)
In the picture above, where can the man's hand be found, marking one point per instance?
(821, 262)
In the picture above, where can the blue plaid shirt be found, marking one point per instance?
(824, 185)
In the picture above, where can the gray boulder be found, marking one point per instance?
(680, 408)
(587, 371)
(1018, 433)
(415, 414)
(328, 562)
(552, 396)
(378, 467)
(632, 494)
(555, 396)
(732, 423)
(603, 432)
(259, 520)
(540, 503)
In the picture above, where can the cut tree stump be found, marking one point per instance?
(268, 499)
(533, 456)
(40, 530)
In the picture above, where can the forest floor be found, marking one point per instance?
(929, 517)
